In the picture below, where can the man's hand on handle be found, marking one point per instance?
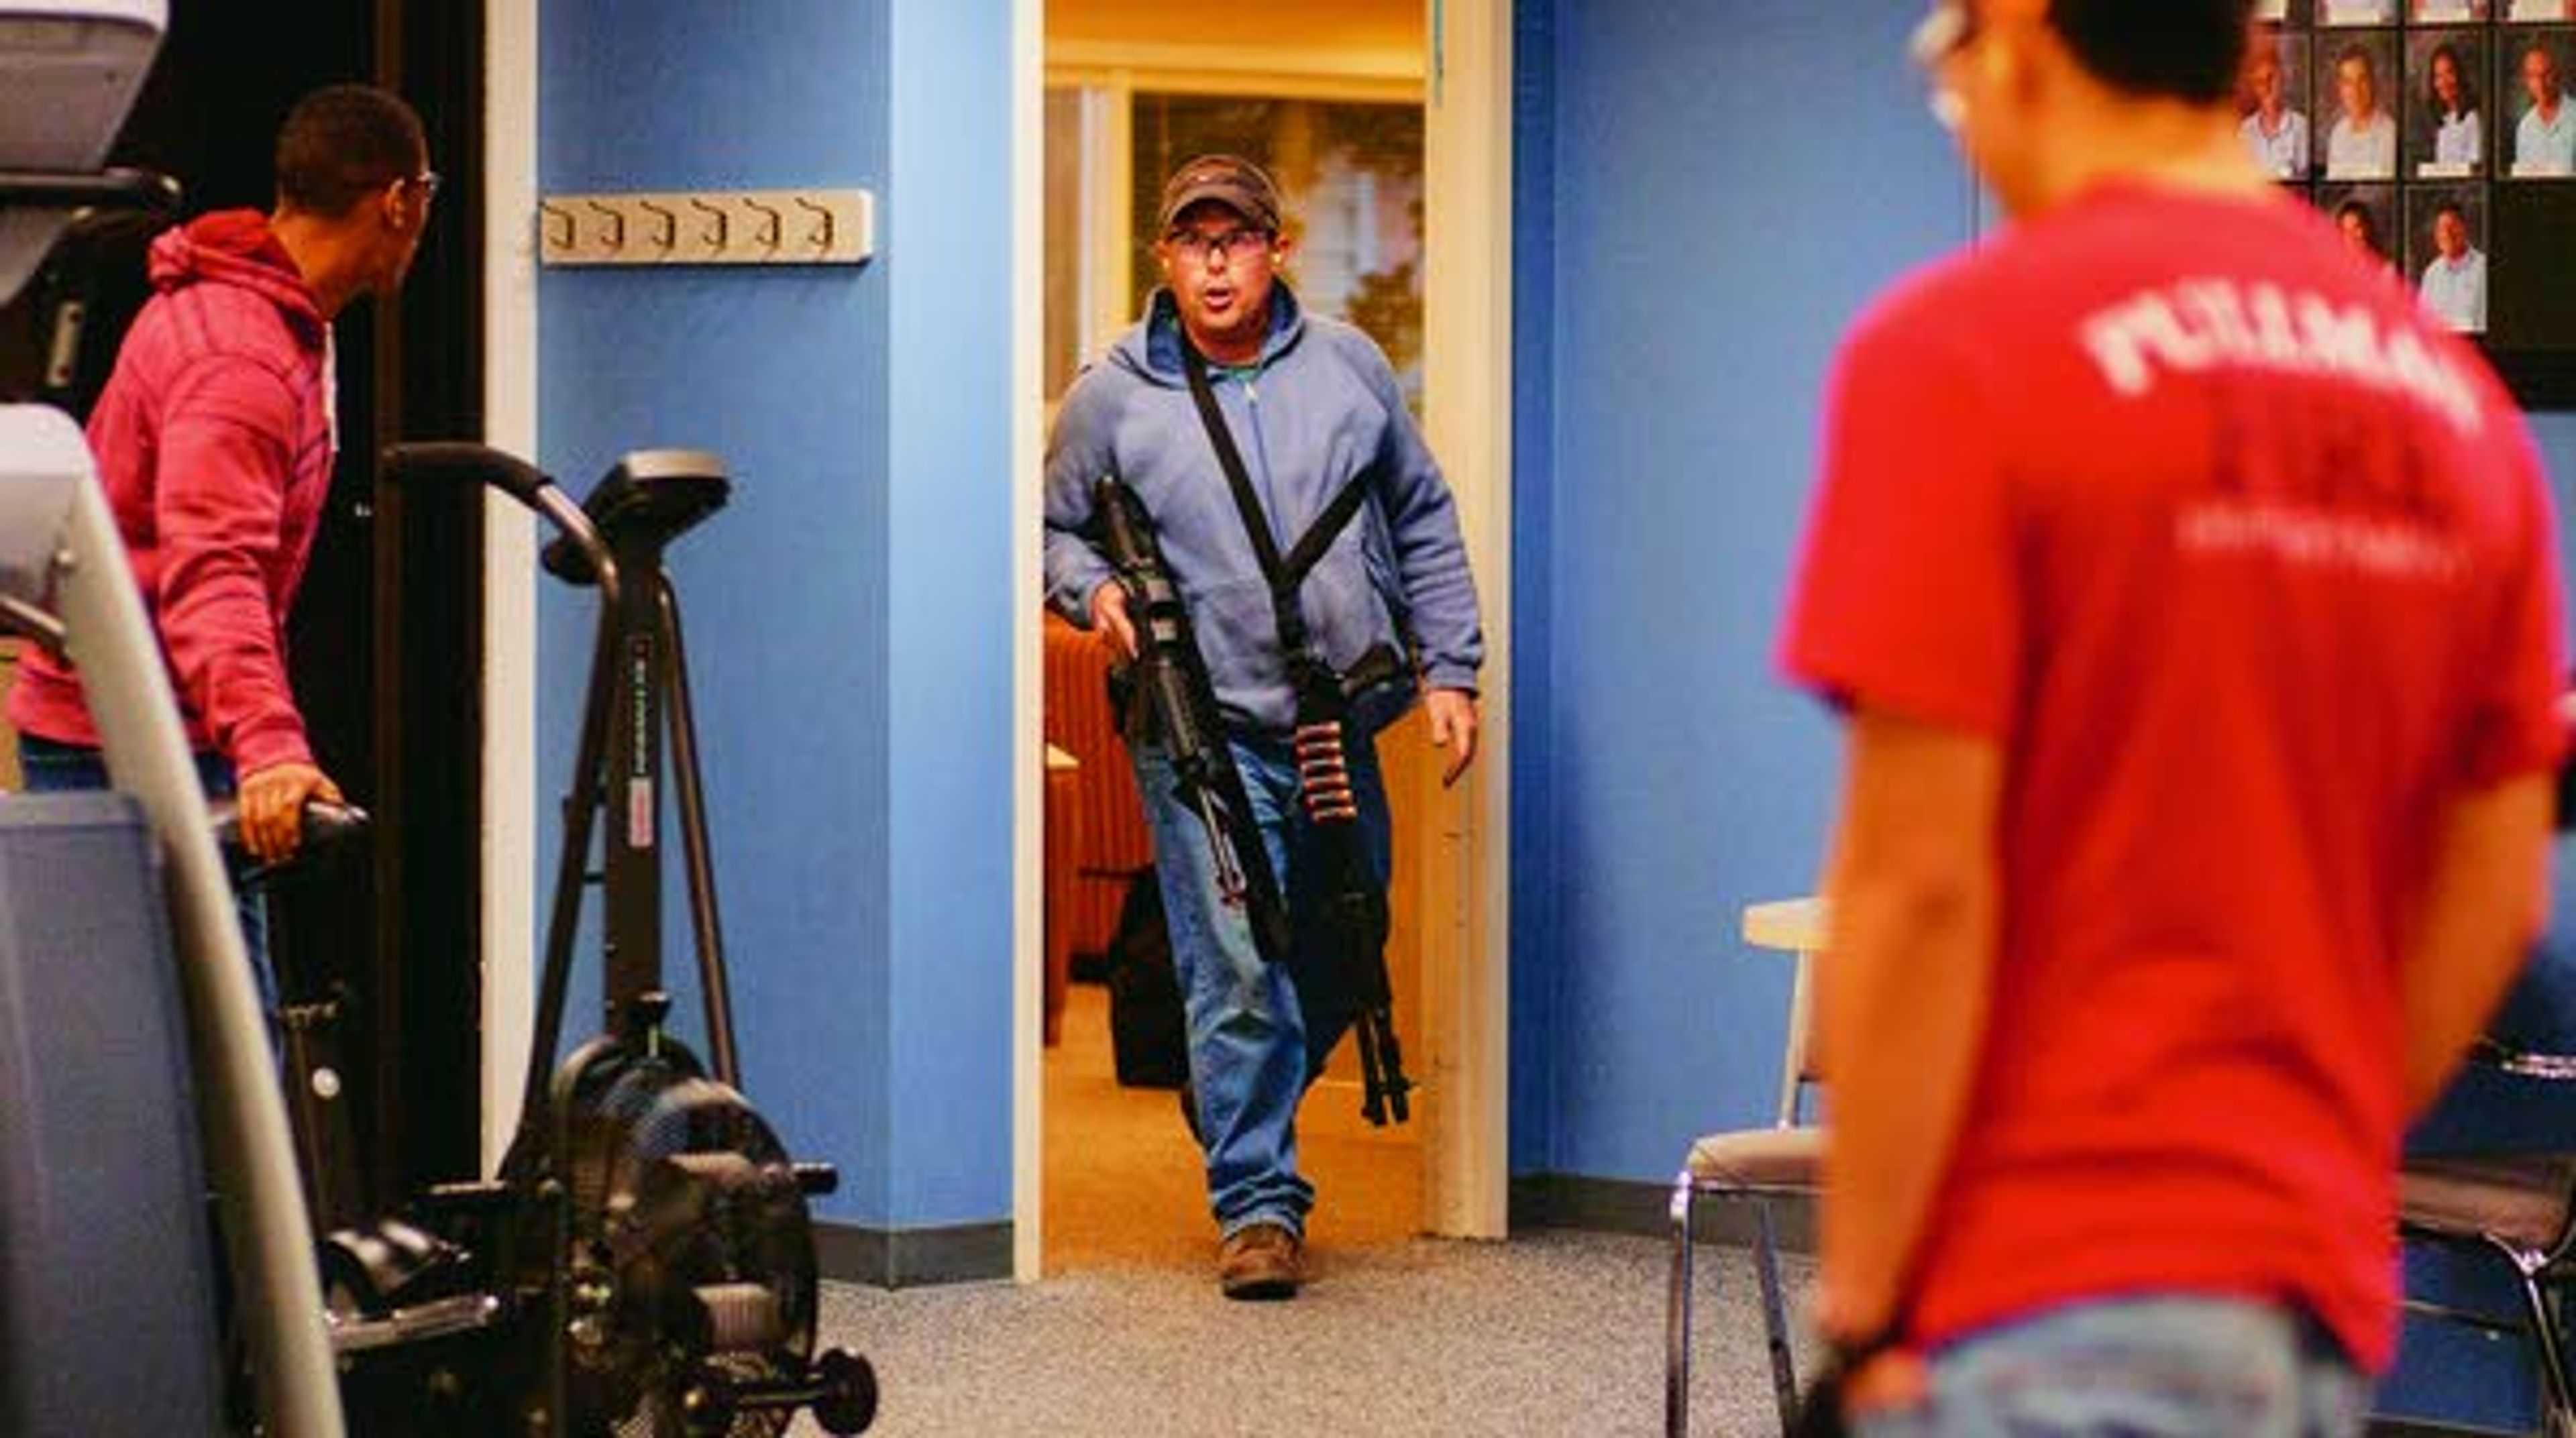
(272, 808)
(1453, 727)
(1109, 616)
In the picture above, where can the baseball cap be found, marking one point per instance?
(1231, 181)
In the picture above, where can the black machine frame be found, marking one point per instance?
(578, 1131)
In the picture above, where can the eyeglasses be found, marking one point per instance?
(1197, 245)
(427, 183)
(1945, 32)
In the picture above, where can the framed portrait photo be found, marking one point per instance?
(2272, 106)
(2356, 124)
(2536, 129)
(2366, 216)
(2446, 106)
(2446, 253)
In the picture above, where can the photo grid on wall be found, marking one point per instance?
(2440, 136)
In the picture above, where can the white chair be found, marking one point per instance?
(1755, 1166)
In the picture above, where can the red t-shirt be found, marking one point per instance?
(2247, 568)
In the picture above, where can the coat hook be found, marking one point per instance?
(772, 223)
(616, 223)
(555, 240)
(718, 222)
(666, 232)
(821, 239)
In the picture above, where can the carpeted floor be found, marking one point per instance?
(1554, 1333)
(1396, 1335)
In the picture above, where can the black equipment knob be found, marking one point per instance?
(816, 1179)
(847, 1398)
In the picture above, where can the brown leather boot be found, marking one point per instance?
(1259, 1262)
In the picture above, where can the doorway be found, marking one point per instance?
(1336, 100)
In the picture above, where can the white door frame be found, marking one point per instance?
(1467, 350)
(509, 565)
(1028, 339)
(1467, 345)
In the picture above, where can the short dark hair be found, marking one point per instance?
(342, 143)
(2190, 50)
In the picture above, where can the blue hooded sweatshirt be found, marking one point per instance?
(1321, 406)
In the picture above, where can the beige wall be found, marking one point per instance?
(1382, 25)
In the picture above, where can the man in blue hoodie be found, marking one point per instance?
(1312, 407)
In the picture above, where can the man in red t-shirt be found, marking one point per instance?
(2193, 603)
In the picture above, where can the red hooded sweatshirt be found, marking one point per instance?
(214, 439)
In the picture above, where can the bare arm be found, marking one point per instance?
(1902, 996)
(2481, 906)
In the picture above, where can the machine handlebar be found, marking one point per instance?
(327, 826)
(463, 462)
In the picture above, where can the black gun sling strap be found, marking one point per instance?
(1284, 572)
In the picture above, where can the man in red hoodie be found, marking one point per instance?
(215, 437)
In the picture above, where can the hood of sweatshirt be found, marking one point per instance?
(1152, 351)
(236, 247)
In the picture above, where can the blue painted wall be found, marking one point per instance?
(949, 610)
(1690, 251)
(848, 613)
(1709, 194)
(1535, 998)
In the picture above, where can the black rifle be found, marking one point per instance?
(1172, 697)
(1359, 904)
(1170, 678)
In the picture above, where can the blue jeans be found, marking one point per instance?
(1259, 1034)
(2147, 1366)
(50, 767)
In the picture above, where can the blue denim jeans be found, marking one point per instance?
(49, 767)
(1258, 1034)
(2152, 1366)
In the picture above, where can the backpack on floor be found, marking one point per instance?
(1148, 1035)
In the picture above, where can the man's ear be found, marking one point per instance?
(2031, 62)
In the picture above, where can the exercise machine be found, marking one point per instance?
(91, 1339)
(644, 1263)
(660, 1252)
